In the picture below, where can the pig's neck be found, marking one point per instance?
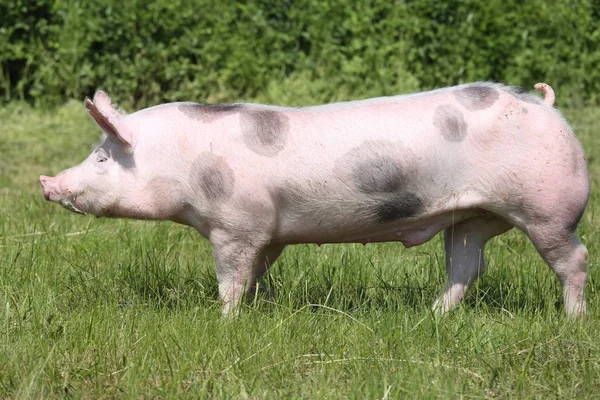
(153, 194)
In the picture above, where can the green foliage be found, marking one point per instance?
(516, 41)
(149, 52)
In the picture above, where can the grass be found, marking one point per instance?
(110, 308)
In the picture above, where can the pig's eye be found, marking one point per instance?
(101, 157)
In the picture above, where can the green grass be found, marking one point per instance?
(109, 308)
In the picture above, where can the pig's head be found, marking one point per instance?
(98, 184)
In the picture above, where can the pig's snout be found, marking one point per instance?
(49, 186)
(54, 190)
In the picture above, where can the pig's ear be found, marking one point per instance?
(109, 119)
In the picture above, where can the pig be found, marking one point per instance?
(473, 160)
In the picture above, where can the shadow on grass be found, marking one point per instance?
(500, 298)
(162, 285)
(151, 281)
(503, 296)
(157, 283)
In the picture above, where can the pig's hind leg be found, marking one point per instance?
(464, 244)
(551, 226)
(239, 265)
(567, 257)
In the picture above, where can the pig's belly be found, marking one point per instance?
(411, 232)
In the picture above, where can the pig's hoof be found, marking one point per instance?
(448, 299)
(578, 310)
(439, 306)
(231, 311)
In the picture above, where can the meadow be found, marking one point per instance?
(98, 308)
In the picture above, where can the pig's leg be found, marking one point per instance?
(464, 244)
(273, 252)
(239, 265)
(268, 258)
(270, 255)
(567, 256)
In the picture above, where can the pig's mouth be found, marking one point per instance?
(68, 204)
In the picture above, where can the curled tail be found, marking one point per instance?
(548, 93)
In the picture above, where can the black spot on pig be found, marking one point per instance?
(214, 177)
(476, 98)
(377, 174)
(525, 110)
(265, 131)
(523, 95)
(401, 205)
(450, 122)
(208, 112)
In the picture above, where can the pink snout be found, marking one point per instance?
(49, 184)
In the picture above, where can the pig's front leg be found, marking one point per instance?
(464, 243)
(240, 263)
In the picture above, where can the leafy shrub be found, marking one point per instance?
(516, 41)
(149, 52)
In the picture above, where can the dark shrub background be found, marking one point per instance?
(212, 51)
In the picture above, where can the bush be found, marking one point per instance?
(150, 52)
(516, 41)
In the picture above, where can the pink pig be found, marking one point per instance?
(473, 160)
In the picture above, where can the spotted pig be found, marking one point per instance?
(473, 161)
